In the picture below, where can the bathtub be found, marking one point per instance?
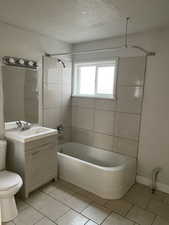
(106, 174)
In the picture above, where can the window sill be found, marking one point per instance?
(94, 97)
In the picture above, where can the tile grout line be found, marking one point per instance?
(54, 221)
(89, 204)
(68, 205)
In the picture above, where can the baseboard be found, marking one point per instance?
(146, 181)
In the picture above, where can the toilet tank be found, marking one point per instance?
(3, 144)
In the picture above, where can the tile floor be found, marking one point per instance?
(62, 203)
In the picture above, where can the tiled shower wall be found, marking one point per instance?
(57, 95)
(113, 125)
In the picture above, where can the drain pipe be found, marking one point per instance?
(155, 173)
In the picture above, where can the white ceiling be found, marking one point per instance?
(83, 20)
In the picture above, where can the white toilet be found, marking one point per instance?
(10, 183)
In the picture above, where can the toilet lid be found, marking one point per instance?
(8, 180)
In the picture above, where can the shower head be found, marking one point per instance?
(59, 60)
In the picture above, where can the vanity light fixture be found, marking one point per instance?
(19, 62)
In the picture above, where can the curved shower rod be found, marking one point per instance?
(147, 53)
(125, 46)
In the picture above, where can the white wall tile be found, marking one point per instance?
(129, 99)
(82, 136)
(104, 104)
(127, 125)
(131, 71)
(67, 76)
(67, 136)
(82, 118)
(104, 141)
(127, 147)
(67, 116)
(75, 101)
(115, 122)
(52, 117)
(54, 73)
(67, 90)
(104, 122)
(83, 102)
(52, 96)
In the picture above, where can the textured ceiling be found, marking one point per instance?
(83, 20)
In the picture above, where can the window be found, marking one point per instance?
(95, 79)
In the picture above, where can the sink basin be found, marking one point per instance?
(33, 133)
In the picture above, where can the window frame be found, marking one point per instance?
(76, 82)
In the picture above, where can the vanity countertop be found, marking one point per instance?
(31, 134)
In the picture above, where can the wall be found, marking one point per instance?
(113, 125)
(57, 96)
(21, 43)
(154, 137)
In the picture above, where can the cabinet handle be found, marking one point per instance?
(35, 153)
(44, 145)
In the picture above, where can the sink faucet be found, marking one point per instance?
(19, 124)
(23, 125)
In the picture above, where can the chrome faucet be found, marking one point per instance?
(23, 125)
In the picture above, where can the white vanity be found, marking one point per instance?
(32, 154)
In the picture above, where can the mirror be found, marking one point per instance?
(20, 90)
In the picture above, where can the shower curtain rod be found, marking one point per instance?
(147, 53)
(125, 46)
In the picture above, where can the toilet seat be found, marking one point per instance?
(9, 180)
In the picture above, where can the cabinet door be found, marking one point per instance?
(42, 165)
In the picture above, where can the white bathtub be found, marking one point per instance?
(106, 174)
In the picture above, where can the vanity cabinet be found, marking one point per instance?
(35, 161)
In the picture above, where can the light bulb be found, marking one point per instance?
(30, 63)
(21, 61)
(11, 60)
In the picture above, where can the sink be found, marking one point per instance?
(33, 133)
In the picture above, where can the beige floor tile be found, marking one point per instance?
(61, 195)
(10, 223)
(160, 221)
(166, 199)
(140, 216)
(91, 223)
(94, 197)
(159, 196)
(96, 213)
(21, 204)
(119, 206)
(28, 216)
(48, 206)
(78, 202)
(59, 185)
(139, 195)
(159, 208)
(115, 219)
(45, 221)
(63, 185)
(72, 218)
(70, 186)
(48, 187)
(52, 209)
(35, 198)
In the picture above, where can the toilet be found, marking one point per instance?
(10, 183)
